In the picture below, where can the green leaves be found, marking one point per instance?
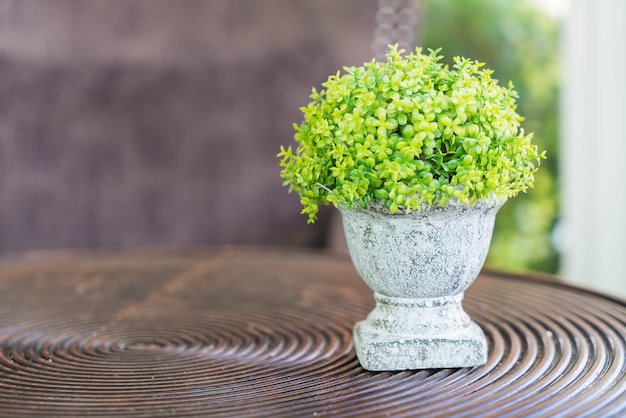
(408, 131)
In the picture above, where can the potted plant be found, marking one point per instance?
(418, 157)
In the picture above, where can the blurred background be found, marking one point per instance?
(157, 122)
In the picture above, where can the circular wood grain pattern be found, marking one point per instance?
(252, 332)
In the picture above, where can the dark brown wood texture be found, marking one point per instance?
(248, 332)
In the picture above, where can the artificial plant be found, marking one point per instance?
(409, 131)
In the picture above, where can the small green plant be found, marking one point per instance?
(406, 132)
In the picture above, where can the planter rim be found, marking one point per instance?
(377, 206)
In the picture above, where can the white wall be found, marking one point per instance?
(593, 145)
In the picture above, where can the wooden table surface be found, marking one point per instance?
(239, 332)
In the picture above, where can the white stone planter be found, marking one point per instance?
(419, 265)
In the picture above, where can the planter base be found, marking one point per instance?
(381, 351)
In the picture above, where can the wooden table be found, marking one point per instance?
(267, 332)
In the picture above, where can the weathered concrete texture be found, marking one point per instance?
(419, 266)
(380, 351)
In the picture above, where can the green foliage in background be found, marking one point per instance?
(520, 43)
(409, 131)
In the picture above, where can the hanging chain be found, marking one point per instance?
(396, 22)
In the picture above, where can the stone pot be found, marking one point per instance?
(419, 265)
